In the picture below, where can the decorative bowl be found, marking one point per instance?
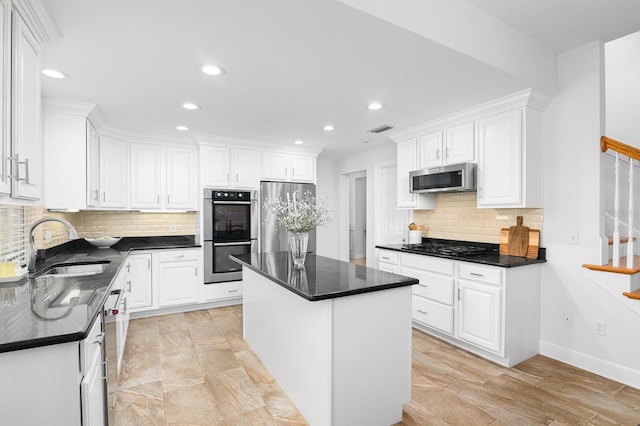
(103, 242)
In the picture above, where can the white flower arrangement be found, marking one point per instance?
(301, 215)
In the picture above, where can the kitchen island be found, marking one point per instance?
(335, 336)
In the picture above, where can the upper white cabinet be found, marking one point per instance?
(66, 142)
(146, 163)
(93, 167)
(407, 155)
(26, 144)
(5, 98)
(510, 159)
(114, 173)
(288, 167)
(229, 168)
(180, 180)
(452, 145)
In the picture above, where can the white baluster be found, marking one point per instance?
(630, 244)
(616, 213)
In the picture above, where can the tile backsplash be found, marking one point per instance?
(457, 217)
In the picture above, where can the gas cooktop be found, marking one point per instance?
(445, 249)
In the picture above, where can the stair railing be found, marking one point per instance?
(633, 154)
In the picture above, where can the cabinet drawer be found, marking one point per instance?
(176, 255)
(219, 291)
(432, 286)
(91, 345)
(388, 257)
(433, 314)
(483, 274)
(428, 263)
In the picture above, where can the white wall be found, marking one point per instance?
(327, 188)
(572, 203)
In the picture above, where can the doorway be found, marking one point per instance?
(358, 217)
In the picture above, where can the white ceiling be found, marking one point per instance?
(291, 66)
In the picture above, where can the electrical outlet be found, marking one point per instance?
(567, 319)
(600, 328)
(573, 237)
(172, 228)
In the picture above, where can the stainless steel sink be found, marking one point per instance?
(76, 270)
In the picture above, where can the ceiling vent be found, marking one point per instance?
(380, 129)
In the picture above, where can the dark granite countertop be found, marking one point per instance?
(36, 311)
(493, 257)
(322, 277)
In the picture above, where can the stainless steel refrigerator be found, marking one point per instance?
(272, 236)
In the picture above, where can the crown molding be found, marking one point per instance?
(67, 106)
(39, 20)
(530, 98)
(252, 144)
(122, 135)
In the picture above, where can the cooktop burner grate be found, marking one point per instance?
(447, 249)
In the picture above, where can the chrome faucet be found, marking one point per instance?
(32, 253)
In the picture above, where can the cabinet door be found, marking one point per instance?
(500, 160)
(459, 144)
(215, 166)
(180, 178)
(406, 163)
(114, 170)
(430, 150)
(141, 295)
(93, 166)
(275, 166)
(92, 394)
(480, 315)
(245, 169)
(5, 98)
(145, 176)
(177, 279)
(25, 119)
(303, 168)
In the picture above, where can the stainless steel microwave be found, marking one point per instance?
(451, 178)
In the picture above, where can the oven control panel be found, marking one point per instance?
(232, 195)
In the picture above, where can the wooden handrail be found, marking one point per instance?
(622, 148)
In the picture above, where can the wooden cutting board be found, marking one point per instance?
(533, 242)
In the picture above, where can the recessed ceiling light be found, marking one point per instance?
(189, 105)
(298, 142)
(212, 70)
(54, 73)
(183, 128)
(329, 128)
(374, 106)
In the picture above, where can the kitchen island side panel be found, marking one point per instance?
(342, 361)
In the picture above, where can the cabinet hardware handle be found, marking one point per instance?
(97, 196)
(26, 170)
(196, 270)
(423, 312)
(178, 256)
(386, 258)
(104, 196)
(128, 267)
(168, 199)
(98, 338)
(423, 285)
(233, 291)
(459, 294)
(475, 274)
(158, 198)
(129, 282)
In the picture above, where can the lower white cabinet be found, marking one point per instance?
(176, 277)
(221, 291)
(92, 384)
(489, 310)
(141, 296)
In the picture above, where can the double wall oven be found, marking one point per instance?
(231, 224)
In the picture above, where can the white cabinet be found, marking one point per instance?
(93, 166)
(114, 173)
(180, 180)
(480, 307)
(139, 267)
(26, 145)
(452, 145)
(388, 261)
(176, 276)
(407, 162)
(145, 169)
(510, 159)
(225, 168)
(92, 384)
(162, 177)
(288, 167)
(223, 291)
(489, 310)
(5, 95)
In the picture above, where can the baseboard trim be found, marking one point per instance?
(610, 370)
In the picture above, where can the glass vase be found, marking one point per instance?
(298, 242)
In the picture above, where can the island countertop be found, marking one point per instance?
(322, 277)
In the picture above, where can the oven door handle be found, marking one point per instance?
(239, 243)
(246, 203)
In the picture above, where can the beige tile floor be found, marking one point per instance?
(195, 369)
